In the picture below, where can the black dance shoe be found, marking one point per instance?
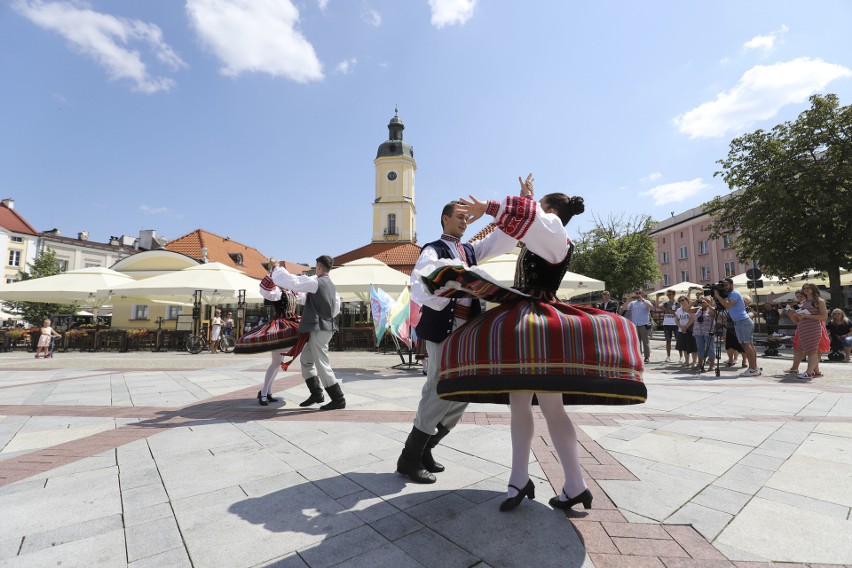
(585, 498)
(261, 400)
(512, 502)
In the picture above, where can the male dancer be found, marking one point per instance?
(438, 317)
(322, 304)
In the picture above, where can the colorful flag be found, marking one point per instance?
(380, 305)
(399, 319)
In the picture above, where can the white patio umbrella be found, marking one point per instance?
(679, 288)
(72, 287)
(216, 281)
(774, 285)
(353, 279)
(502, 269)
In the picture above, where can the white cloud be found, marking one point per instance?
(346, 66)
(165, 211)
(106, 39)
(323, 4)
(760, 93)
(674, 192)
(255, 36)
(372, 17)
(766, 42)
(653, 176)
(450, 12)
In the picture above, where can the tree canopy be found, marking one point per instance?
(792, 204)
(35, 312)
(619, 252)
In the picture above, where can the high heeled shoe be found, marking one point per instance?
(585, 498)
(512, 502)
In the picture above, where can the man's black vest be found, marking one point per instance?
(436, 326)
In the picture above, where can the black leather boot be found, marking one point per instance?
(337, 400)
(428, 461)
(409, 463)
(316, 392)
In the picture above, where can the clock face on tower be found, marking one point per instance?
(391, 176)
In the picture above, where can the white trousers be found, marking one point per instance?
(314, 359)
(432, 409)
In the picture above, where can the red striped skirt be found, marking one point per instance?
(528, 345)
(281, 333)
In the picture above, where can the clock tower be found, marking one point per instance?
(393, 207)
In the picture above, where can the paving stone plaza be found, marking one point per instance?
(166, 460)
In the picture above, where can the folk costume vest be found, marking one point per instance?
(319, 306)
(436, 325)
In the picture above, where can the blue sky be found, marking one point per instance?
(260, 119)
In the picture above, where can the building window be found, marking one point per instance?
(684, 275)
(684, 253)
(730, 268)
(703, 247)
(14, 258)
(666, 280)
(92, 265)
(665, 257)
(16, 239)
(727, 242)
(705, 273)
(139, 312)
(11, 280)
(172, 312)
(392, 224)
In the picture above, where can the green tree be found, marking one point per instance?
(34, 312)
(619, 252)
(792, 208)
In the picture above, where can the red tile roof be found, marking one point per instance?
(13, 222)
(400, 256)
(228, 252)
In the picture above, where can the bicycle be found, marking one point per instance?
(197, 343)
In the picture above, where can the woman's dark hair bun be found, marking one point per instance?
(577, 205)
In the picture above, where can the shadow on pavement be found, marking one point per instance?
(431, 526)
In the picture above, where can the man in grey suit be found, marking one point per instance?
(322, 304)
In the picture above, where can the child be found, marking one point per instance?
(47, 333)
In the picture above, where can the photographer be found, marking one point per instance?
(732, 301)
(639, 312)
(702, 326)
(607, 303)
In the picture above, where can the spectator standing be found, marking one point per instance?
(607, 303)
(228, 325)
(703, 322)
(639, 312)
(791, 314)
(811, 315)
(685, 340)
(669, 307)
(215, 330)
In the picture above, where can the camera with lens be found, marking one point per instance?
(717, 287)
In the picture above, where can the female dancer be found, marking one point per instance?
(281, 333)
(533, 344)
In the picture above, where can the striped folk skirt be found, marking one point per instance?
(530, 345)
(281, 333)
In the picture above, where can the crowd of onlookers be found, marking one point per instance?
(692, 322)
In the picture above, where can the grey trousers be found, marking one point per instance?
(433, 410)
(314, 358)
(644, 339)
